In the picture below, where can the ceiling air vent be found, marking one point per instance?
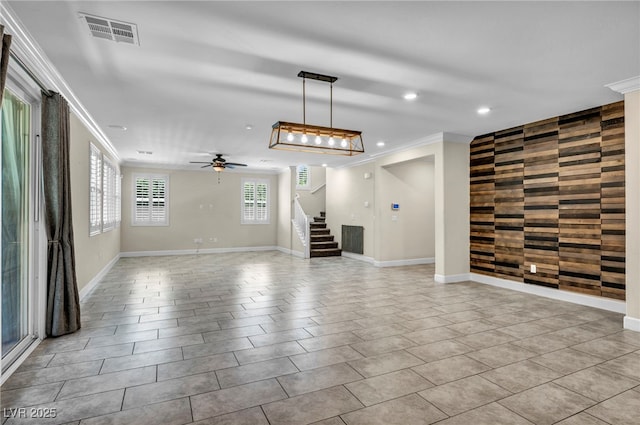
(109, 29)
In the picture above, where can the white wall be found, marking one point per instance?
(347, 192)
(408, 233)
(632, 203)
(95, 252)
(285, 199)
(199, 207)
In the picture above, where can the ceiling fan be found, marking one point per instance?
(219, 163)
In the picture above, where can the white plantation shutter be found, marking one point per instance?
(261, 202)
(158, 201)
(255, 202)
(95, 190)
(108, 195)
(151, 200)
(249, 196)
(303, 177)
(118, 199)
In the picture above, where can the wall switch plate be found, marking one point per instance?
(533, 268)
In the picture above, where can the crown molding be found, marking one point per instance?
(423, 141)
(27, 49)
(625, 86)
(182, 167)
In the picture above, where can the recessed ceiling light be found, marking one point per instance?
(324, 165)
(410, 96)
(380, 144)
(484, 110)
(117, 127)
(248, 127)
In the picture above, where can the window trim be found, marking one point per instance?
(148, 222)
(255, 182)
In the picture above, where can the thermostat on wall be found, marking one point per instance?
(395, 207)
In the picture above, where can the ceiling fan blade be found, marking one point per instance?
(200, 162)
(235, 164)
(229, 166)
(205, 166)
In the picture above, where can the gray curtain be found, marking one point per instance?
(4, 59)
(63, 301)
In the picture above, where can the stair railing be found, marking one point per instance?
(301, 222)
(313, 191)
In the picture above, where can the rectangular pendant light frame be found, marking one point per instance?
(282, 129)
(290, 136)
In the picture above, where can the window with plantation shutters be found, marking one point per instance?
(118, 199)
(303, 177)
(255, 202)
(151, 200)
(109, 174)
(95, 190)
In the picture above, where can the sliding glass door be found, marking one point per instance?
(17, 229)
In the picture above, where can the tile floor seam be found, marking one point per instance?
(439, 408)
(596, 401)
(514, 412)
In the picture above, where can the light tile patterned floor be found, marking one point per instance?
(266, 338)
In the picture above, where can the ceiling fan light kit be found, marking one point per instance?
(313, 138)
(218, 163)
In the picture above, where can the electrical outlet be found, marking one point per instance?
(214, 240)
(533, 268)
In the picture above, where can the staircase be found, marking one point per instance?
(322, 243)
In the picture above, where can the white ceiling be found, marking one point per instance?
(205, 69)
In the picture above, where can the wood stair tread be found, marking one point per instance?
(322, 241)
(328, 252)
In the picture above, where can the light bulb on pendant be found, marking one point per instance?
(344, 143)
(331, 141)
(303, 138)
(289, 137)
(318, 140)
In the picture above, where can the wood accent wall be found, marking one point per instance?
(551, 193)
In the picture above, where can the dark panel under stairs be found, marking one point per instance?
(322, 242)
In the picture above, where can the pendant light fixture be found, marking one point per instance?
(313, 138)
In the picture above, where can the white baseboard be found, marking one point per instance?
(451, 278)
(556, 294)
(290, 252)
(197, 251)
(358, 257)
(297, 253)
(86, 290)
(631, 323)
(389, 263)
(284, 250)
(410, 262)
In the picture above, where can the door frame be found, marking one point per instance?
(22, 86)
